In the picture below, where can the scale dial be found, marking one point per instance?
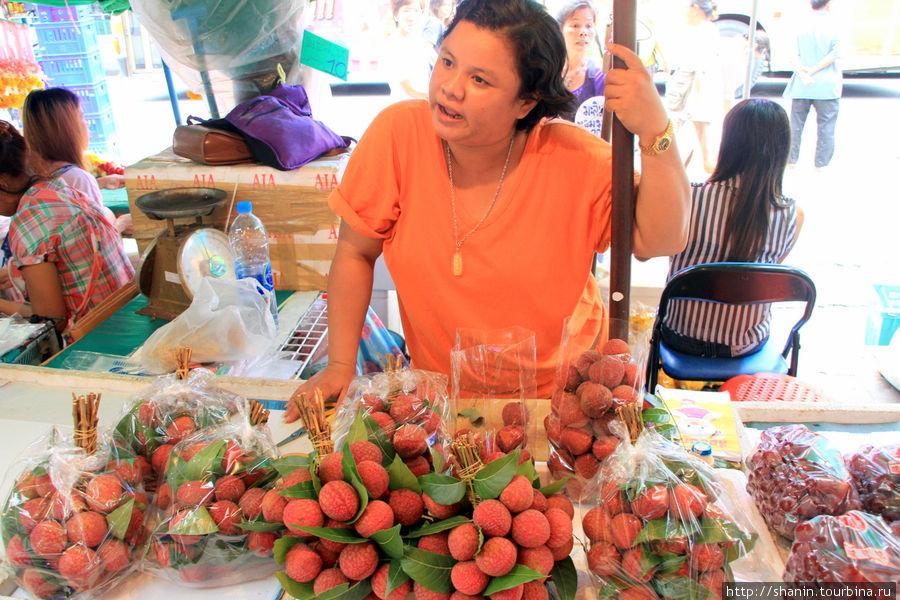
(204, 252)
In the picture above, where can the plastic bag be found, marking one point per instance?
(657, 524)
(213, 524)
(71, 521)
(405, 411)
(852, 548)
(795, 475)
(493, 374)
(876, 477)
(226, 321)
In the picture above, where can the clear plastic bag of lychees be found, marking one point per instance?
(656, 524)
(876, 476)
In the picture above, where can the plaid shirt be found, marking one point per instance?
(54, 224)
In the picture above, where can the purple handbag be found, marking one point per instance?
(279, 128)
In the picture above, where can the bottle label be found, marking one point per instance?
(265, 278)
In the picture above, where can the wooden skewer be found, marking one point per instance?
(85, 411)
(258, 414)
(182, 362)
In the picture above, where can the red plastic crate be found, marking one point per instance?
(769, 387)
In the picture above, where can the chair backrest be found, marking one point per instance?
(737, 283)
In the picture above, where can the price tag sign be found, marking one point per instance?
(324, 55)
(590, 114)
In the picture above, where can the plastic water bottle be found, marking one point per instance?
(250, 245)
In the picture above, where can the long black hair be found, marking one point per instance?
(756, 139)
(538, 46)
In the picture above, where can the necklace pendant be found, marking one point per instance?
(457, 264)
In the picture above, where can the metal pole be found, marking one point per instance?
(624, 26)
(751, 63)
(173, 97)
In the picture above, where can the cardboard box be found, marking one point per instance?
(293, 205)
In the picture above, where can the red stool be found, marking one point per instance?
(767, 387)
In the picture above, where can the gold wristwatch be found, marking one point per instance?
(662, 142)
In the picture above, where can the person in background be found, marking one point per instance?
(739, 215)
(817, 83)
(407, 55)
(70, 257)
(582, 76)
(439, 14)
(488, 210)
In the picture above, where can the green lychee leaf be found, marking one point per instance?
(286, 465)
(656, 415)
(669, 562)
(663, 529)
(474, 417)
(438, 461)
(260, 526)
(428, 569)
(175, 475)
(389, 541)
(205, 464)
(718, 531)
(555, 487)
(351, 475)
(304, 489)
(376, 435)
(443, 489)
(401, 477)
(438, 526)
(517, 576)
(733, 552)
(282, 545)
(197, 521)
(335, 534)
(356, 433)
(565, 578)
(119, 519)
(649, 561)
(678, 587)
(527, 470)
(343, 592)
(300, 591)
(496, 475)
(396, 577)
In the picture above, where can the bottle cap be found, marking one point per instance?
(244, 206)
(701, 448)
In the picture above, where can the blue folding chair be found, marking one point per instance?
(731, 283)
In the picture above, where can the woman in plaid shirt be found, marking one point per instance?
(70, 257)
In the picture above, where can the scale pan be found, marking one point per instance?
(180, 203)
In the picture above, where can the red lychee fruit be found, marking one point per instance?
(302, 564)
(430, 421)
(513, 593)
(227, 515)
(261, 543)
(251, 503)
(603, 559)
(16, 553)
(230, 487)
(585, 360)
(514, 413)
(497, 557)
(539, 501)
(518, 494)
(27, 485)
(587, 465)
(652, 503)
(608, 370)
(331, 467)
(624, 394)
(530, 529)
(468, 578)
(624, 529)
(293, 478)
(374, 477)
(190, 451)
(633, 565)
(103, 493)
(420, 592)
(80, 566)
(88, 528)
(327, 579)
(372, 402)
(510, 437)
(534, 590)
(48, 539)
(194, 493)
(365, 450)
(633, 376)
(687, 501)
(612, 498)
(463, 541)
(386, 423)
(595, 398)
(539, 558)
(405, 408)
(407, 506)
(379, 585)
(560, 527)
(596, 524)
(617, 347)
(376, 517)
(358, 561)
(561, 552)
(713, 582)
(576, 441)
(706, 557)
(436, 542)
(604, 446)
(131, 471)
(339, 500)
(418, 466)
(159, 460)
(570, 413)
(37, 583)
(183, 539)
(302, 512)
(440, 511)
(493, 517)
(562, 503)
(115, 555)
(410, 441)
(180, 428)
(272, 507)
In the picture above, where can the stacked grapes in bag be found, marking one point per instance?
(876, 476)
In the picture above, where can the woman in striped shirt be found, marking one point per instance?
(738, 215)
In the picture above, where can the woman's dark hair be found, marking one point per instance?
(12, 150)
(756, 139)
(819, 4)
(708, 7)
(569, 9)
(539, 48)
(54, 125)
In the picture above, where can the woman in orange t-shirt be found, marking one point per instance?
(488, 214)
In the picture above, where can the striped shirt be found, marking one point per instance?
(53, 224)
(740, 327)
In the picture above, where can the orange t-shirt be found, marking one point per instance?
(528, 265)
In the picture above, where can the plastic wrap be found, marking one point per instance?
(592, 381)
(795, 475)
(213, 524)
(235, 43)
(658, 526)
(492, 377)
(71, 522)
(855, 547)
(876, 477)
(405, 412)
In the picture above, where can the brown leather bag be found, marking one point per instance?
(210, 146)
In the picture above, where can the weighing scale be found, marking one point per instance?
(175, 262)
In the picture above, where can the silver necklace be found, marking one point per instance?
(457, 257)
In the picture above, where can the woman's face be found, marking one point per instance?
(474, 89)
(445, 10)
(578, 30)
(408, 17)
